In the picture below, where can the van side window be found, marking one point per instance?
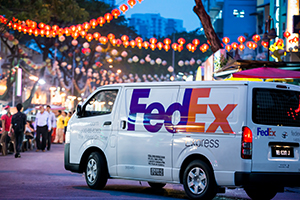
(101, 103)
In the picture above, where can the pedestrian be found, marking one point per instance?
(42, 126)
(6, 121)
(18, 123)
(59, 137)
(53, 125)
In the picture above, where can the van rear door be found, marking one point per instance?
(275, 125)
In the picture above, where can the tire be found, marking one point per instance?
(156, 185)
(96, 171)
(199, 181)
(260, 192)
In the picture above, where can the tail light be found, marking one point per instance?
(246, 149)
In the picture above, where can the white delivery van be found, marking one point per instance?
(204, 135)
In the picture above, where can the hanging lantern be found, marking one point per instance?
(199, 61)
(124, 54)
(75, 35)
(175, 46)
(98, 48)
(63, 64)
(124, 38)
(160, 45)
(264, 44)
(254, 45)
(256, 38)
(166, 47)
(241, 39)
(181, 41)
(138, 40)
(180, 48)
(89, 37)
(86, 45)
(123, 8)
(101, 21)
(93, 23)
(167, 41)
(41, 25)
(196, 42)
(126, 44)
(42, 32)
(111, 36)
(82, 33)
(103, 40)
(139, 45)
(113, 42)
(131, 3)
(286, 34)
(72, 28)
(74, 42)
(192, 61)
(77, 59)
(208, 42)
(158, 61)
(132, 43)
(153, 46)
(108, 17)
(189, 46)
(241, 47)
(135, 59)
(116, 13)
(153, 40)
(164, 63)
(142, 61)
(152, 62)
(187, 62)
(249, 44)
(234, 45)
(61, 38)
(129, 60)
(205, 47)
(180, 63)
(228, 47)
(86, 26)
(146, 45)
(170, 69)
(119, 42)
(96, 35)
(225, 40)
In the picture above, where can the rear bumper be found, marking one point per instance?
(68, 165)
(262, 178)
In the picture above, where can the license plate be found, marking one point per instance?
(282, 152)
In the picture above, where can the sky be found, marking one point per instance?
(176, 9)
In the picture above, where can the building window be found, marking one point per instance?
(239, 13)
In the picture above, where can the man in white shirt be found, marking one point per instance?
(42, 126)
(53, 125)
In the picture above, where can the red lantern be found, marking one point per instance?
(119, 42)
(96, 35)
(132, 43)
(196, 42)
(146, 44)
(41, 25)
(124, 38)
(111, 36)
(89, 37)
(205, 47)
(249, 45)
(153, 40)
(234, 45)
(47, 33)
(160, 45)
(30, 31)
(131, 3)
(286, 34)
(241, 39)
(228, 47)
(175, 46)
(181, 41)
(79, 27)
(256, 38)
(254, 45)
(42, 32)
(241, 47)
(47, 28)
(180, 48)
(140, 1)
(167, 41)
(86, 26)
(25, 30)
(264, 44)
(67, 31)
(93, 23)
(126, 44)
(123, 8)
(33, 25)
(103, 40)
(72, 29)
(113, 41)
(138, 40)
(108, 17)
(139, 45)
(225, 40)
(153, 46)
(19, 28)
(166, 47)
(208, 42)
(82, 33)
(36, 32)
(101, 21)
(75, 35)
(116, 13)
(189, 46)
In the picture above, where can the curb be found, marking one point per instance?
(292, 189)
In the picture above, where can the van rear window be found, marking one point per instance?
(276, 107)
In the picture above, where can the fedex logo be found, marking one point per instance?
(187, 109)
(267, 132)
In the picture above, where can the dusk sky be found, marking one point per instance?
(176, 9)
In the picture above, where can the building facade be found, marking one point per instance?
(153, 25)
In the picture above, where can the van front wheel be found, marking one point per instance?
(96, 171)
(198, 181)
(257, 192)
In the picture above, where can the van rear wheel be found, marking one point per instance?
(199, 181)
(96, 171)
(156, 185)
(260, 192)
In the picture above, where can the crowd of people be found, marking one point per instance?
(18, 134)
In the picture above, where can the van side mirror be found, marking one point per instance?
(79, 111)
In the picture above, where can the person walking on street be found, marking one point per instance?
(42, 126)
(59, 137)
(53, 125)
(6, 121)
(18, 123)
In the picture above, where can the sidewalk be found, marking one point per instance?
(292, 189)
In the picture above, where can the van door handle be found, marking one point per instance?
(123, 124)
(107, 123)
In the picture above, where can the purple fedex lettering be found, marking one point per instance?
(135, 108)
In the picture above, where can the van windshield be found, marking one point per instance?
(276, 107)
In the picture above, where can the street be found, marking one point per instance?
(41, 175)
